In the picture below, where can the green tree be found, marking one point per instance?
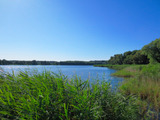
(139, 58)
(116, 59)
(34, 62)
(128, 60)
(152, 50)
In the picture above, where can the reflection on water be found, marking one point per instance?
(85, 72)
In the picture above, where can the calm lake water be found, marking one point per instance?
(85, 72)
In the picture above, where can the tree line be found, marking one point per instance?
(148, 54)
(34, 62)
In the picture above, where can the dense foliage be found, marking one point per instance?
(129, 57)
(152, 50)
(49, 96)
(148, 54)
(34, 62)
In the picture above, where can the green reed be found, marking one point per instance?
(49, 96)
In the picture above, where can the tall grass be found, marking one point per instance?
(50, 96)
(116, 67)
(144, 82)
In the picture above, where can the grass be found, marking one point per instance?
(144, 82)
(128, 71)
(50, 96)
(124, 70)
(116, 67)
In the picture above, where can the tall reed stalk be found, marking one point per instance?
(50, 96)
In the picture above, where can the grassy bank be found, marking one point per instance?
(142, 81)
(50, 96)
(124, 70)
(146, 83)
(116, 67)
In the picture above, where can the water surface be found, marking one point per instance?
(85, 72)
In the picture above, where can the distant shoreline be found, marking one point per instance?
(34, 62)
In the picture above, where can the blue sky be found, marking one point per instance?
(76, 29)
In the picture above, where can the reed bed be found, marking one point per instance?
(50, 96)
(144, 82)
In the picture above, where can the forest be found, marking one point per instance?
(34, 62)
(148, 54)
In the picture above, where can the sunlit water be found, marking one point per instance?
(85, 72)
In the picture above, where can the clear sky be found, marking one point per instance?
(75, 29)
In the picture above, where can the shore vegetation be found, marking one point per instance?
(50, 96)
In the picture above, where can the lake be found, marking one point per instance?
(85, 72)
